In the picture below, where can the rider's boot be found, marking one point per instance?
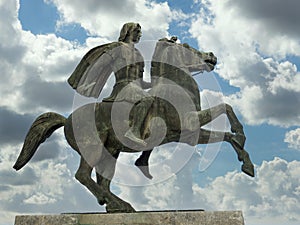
(135, 137)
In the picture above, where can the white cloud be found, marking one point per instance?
(42, 185)
(252, 45)
(285, 77)
(105, 18)
(272, 197)
(251, 24)
(34, 67)
(293, 138)
(274, 98)
(39, 199)
(275, 16)
(51, 57)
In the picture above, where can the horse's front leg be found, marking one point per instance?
(206, 137)
(83, 175)
(201, 118)
(244, 157)
(236, 127)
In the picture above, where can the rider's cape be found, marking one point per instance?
(92, 72)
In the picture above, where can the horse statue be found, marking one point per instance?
(178, 70)
(96, 130)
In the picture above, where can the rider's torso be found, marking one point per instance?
(128, 68)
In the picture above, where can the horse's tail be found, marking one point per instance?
(40, 130)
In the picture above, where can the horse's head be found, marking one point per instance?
(171, 56)
(210, 59)
(200, 61)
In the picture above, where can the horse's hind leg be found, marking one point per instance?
(105, 171)
(113, 203)
(83, 175)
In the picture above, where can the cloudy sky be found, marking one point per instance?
(258, 48)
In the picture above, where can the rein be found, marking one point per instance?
(195, 74)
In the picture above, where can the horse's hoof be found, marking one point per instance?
(119, 207)
(248, 169)
(101, 202)
(131, 136)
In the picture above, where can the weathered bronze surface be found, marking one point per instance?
(193, 217)
(123, 121)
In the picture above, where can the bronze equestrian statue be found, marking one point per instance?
(125, 121)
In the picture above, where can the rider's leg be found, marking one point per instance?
(139, 114)
(143, 163)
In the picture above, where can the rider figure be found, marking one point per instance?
(127, 63)
(128, 68)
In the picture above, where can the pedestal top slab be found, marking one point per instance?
(190, 217)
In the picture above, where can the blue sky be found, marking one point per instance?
(257, 73)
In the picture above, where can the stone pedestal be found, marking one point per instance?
(193, 217)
